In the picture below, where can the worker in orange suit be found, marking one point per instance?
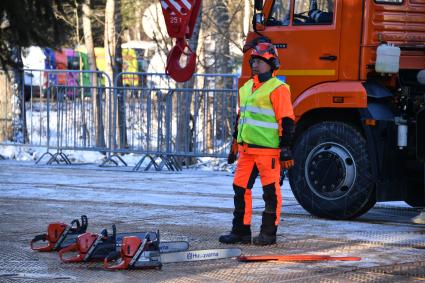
(263, 139)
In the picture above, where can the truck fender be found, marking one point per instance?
(345, 94)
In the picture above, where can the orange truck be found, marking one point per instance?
(356, 70)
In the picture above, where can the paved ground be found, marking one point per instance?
(195, 204)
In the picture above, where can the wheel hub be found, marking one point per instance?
(330, 170)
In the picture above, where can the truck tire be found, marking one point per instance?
(332, 176)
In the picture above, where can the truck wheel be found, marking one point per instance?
(331, 177)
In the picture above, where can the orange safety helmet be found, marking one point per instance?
(268, 52)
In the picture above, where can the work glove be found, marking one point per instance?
(233, 153)
(286, 160)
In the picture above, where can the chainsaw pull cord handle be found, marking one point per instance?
(42, 237)
(54, 232)
(77, 224)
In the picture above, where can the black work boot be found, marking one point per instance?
(233, 238)
(240, 233)
(268, 231)
(264, 240)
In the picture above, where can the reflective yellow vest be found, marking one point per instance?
(257, 122)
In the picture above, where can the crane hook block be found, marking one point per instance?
(180, 16)
(174, 69)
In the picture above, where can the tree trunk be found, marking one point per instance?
(222, 65)
(186, 132)
(96, 95)
(113, 55)
(122, 126)
(138, 25)
(190, 125)
(247, 18)
(19, 125)
(6, 110)
(109, 38)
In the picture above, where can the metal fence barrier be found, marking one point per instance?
(67, 110)
(145, 113)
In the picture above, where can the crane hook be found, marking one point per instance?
(174, 69)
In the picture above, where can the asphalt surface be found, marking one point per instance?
(193, 205)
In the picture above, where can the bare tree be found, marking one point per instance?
(113, 56)
(19, 123)
(96, 95)
(187, 123)
(24, 23)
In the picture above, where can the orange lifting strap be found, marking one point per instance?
(180, 18)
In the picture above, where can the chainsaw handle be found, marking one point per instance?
(130, 249)
(114, 233)
(71, 248)
(124, 264)
(42, 237)
(84, 223)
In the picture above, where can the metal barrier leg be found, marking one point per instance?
(111, 160)
(137, 167)
(152, 162)
(44, 154)
(176, 163)
(164, 162)
(59, 157)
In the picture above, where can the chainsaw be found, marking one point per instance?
(60, 235)
(145, 252)
(95, 247)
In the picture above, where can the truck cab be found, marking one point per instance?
(356, 70)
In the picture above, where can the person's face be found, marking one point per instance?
(259, 66)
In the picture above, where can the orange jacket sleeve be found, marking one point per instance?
(282, 105)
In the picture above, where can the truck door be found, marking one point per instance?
(307, 34)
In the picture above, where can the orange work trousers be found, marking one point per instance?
(248, 168)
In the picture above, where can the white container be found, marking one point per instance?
(387, 59)
(402, 136)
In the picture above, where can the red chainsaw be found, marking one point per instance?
(59, 235)
(91, 247)
(145, 252)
